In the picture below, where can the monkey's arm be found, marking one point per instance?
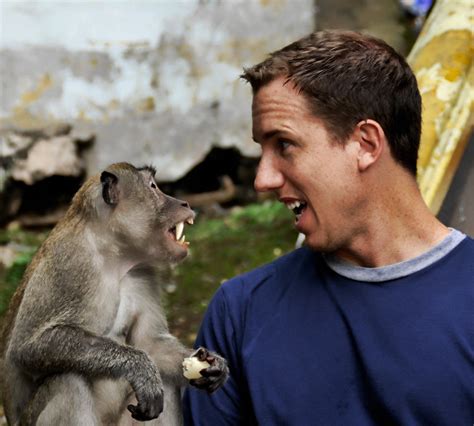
(150, 333)
(168, 354)
(68, 348)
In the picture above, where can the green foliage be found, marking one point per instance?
(26, 244)
(264, 213)
(28, 240)
(12, 278)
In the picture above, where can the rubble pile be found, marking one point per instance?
(34, 166)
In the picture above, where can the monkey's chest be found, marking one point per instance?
(125, 316)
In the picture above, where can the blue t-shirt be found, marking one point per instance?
(307, 345)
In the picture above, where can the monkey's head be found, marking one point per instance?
(139, 219)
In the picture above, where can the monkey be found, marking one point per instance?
(85, 340)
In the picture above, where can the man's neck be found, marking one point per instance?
(399, 226)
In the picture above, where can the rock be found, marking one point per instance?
(13, 143)
(29, 156)
(82, 136)
(56, 129)
(48, 157)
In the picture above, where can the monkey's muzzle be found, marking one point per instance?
(177, 231)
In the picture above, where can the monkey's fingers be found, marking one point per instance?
(201, 383)
(211, 371)
(133, 410)
(213, 387)
(206, 384)
(136, 413)
(209, 384)
(141, 414)
(201, 353)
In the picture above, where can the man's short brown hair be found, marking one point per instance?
(348, 77)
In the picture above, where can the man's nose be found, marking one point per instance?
(268, 176)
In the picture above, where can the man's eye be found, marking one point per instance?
(283, 144)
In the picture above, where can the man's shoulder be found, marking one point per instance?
(277, 272)
(469, 241)
(461, 256)
(465, 248)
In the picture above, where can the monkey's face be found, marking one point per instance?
(144, 221)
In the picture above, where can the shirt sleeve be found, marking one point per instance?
(225, 406)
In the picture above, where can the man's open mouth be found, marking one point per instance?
(297, 207)
(177, 232)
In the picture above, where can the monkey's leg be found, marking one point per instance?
(63, 400)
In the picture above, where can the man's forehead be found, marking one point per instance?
(277, 87)
(280, 93)
(279, 100)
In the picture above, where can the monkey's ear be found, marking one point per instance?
(110, 192)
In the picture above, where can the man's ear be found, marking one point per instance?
(110, 192)
(372, 141)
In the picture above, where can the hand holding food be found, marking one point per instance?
(205, 370)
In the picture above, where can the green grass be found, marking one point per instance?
(219, 249)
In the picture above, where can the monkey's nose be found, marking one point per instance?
(185, 204)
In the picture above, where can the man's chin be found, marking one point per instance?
(315, 242)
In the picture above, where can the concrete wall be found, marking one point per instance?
(156, 81)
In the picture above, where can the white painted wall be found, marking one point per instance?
(155, 80)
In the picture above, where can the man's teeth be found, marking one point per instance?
(179, 230)
(293, 205)
(296, 207)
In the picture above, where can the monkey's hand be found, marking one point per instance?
(148, 387)
(214, 376)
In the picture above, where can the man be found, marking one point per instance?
(372, 322)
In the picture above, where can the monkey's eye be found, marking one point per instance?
(153, 185)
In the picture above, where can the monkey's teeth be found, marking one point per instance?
(181, 240)
(179, 230)
(190, 221)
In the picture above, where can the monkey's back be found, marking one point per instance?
(39, 292)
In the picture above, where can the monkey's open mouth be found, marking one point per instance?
(177, 234)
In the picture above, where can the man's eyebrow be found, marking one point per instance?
(268, 135)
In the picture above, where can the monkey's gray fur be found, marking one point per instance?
(85, 340)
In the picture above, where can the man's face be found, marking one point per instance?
(312, 174)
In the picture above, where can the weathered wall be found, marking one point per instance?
(156, 81)
(442, 62)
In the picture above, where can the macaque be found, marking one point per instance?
(85, 340)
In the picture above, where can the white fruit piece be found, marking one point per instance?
(192, 366)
